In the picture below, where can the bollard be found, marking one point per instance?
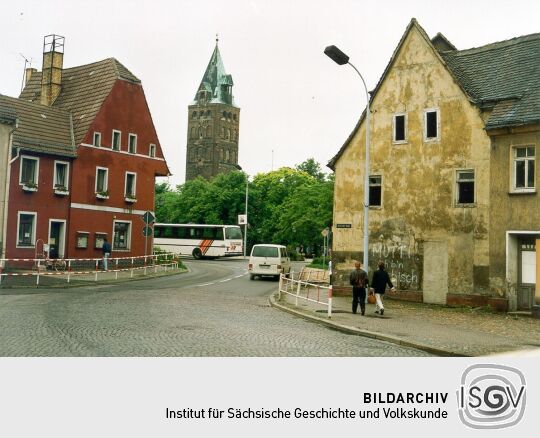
(330, 302)
(116, 273)
(131, 275)
(95, 275)
(69, 270)
(297, 293)
(279, 286)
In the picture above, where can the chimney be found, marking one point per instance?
(28, 74)
(51, 75)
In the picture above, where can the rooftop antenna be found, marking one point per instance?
(26, 62)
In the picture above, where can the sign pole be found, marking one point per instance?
(245, 225)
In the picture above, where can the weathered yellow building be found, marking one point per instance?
(446, 214)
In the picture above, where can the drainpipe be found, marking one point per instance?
(71, 164)
(7, 181)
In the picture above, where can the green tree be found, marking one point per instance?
(313, 168)
(287, 206)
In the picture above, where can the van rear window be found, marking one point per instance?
(265, 251)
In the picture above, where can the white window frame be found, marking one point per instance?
(67, 173)
(134, 184)
(106, 180)
(513, 160)
(98, 135)
(130, 136)
(130, 232)
(36, 177)
(152, 150)
(380, 175)
(404, 128)
(119, 140)
(456, 187)
(438, 112)
(34, 227)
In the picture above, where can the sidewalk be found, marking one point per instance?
(438, 330)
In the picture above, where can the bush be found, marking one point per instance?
(295, 257)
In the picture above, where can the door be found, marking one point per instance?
(526, 272)
(435, 272)
(56, 239)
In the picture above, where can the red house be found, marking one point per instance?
(84, 161)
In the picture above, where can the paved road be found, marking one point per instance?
(214, 310)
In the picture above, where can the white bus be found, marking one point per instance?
(199, 240)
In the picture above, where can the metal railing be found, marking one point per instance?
(92, 268)
(301, 290)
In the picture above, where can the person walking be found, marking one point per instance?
(378, 284)
(106, 248)
(359, 281)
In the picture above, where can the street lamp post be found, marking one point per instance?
(341, 58)
(246, 223)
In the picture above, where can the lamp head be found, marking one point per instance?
(336, 55)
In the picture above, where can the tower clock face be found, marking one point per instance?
(200, 162)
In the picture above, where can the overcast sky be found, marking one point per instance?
(293, 99)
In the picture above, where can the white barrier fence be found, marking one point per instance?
(68, 268)
(301, 290)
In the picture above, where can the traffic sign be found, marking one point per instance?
(147, 231)
(325, 232)
(242, 219)
(148, 217)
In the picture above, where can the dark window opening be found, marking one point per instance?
(399, 128)
(431, 124)
(465, 182)
(375, 191)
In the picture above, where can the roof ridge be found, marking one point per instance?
(496, 44)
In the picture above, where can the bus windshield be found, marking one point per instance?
(233, 233)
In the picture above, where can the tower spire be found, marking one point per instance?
(217, 38)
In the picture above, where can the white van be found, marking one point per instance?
(269, 260)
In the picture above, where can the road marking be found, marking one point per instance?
(223, 281)
(205, 284)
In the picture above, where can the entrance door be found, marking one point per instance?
(526, 272)
(56, 239)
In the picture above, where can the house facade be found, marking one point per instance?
(213, 124)
(84, 159)
(437, 182)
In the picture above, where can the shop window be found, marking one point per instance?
(122, 235)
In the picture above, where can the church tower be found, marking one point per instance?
(213, 124)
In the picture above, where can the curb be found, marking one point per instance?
(366, 333)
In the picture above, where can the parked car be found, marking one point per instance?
(269, 260)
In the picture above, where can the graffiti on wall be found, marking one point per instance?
(401, 258)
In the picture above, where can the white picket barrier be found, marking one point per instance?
(290, 286)
(64, 267)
